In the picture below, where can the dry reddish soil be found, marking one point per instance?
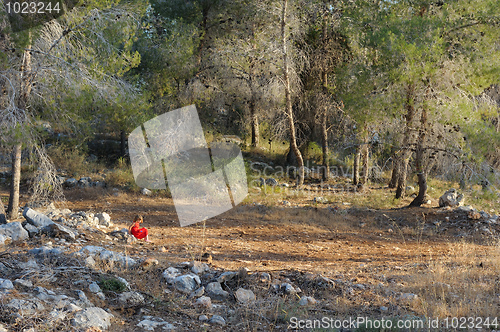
(442, 255)
(314, 239)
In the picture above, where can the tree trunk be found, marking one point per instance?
(288, 98)
(24, 92)
(407, 140)
(355, 169)
(203, 34)
(324, 117)
(254, 123)
(13, 208)
(419, 162)
(365, 154)
(394, 177)
(401, 187)
(324, 139)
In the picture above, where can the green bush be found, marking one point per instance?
(112, 285)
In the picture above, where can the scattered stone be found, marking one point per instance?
(150, 323)
(104, 219)
(131, 299)
(14, 231)
(451, 198)
(60, 231)
(271, 182)
(108, 256)
(35, 218)
(203, 303)
(56, 315)
(199, 267)
(146, 192)
(32, 230)
(244, 296)
(85, 182)
(307, 301)
(383, 308)
(70, 183)
(265, 277)
(226, 276)
(46, 251)
(25, 307)
(90, 262)
(92, 318)
(23, 283)
(320, 200)
(215, 291)
(186, 283)
(197, 293)
(288, 288)
(5, 284)
(170, 274)
(203, 318)
(286, 203)
(71, 307)
(123, 236)
(408, 296)
(94, 287)
(216, 319)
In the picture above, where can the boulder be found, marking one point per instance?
(26, 307)
(203, 303)
(131, 299)
(451, 198)
(272, 182)
(70, 183)
(92, 317)
(108, 256)
(244, 296)
(94, 288)
(186, 283)
(215, 291)
(146, 192)
(14, 231)
(320, 200)
(199, 267)
(104, 219)
(60, 231)
(35, 218)
(150, 323)
(216, 319)
(307, 301)
(5, 284)
(85, 182)
(170, 274)
(32, 230)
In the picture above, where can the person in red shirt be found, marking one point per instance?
(137, 231)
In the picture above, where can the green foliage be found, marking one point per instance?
(313, 152)
(112, 285)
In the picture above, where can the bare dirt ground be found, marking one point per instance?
(449, 261)
(400, 263)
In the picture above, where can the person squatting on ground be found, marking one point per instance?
(137, 231)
